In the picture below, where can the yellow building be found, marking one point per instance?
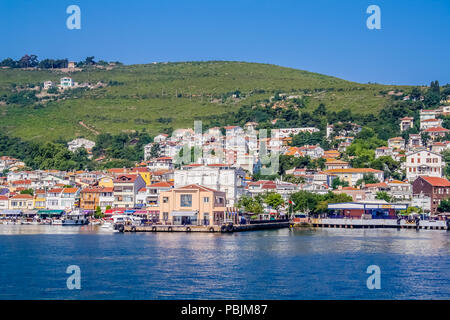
(21, 202)
(192, 205)
(145, 174)
(106, 182)
(39, 200)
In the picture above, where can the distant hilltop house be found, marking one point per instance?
(71, 65)
(66, 82)
(48, 85)
(80, 143)
(406, 123)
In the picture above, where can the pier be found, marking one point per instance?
(211, 229)
(374, 223)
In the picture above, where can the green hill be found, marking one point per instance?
(163, 95)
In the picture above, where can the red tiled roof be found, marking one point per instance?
(22, 196)
(376, 185)
(70, 190)
(126, 178)
(162, 184)
(198, 187)
(437, 129)
(436, 182)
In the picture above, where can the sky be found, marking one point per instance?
(325, 36)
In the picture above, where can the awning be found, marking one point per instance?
(184, 213)
(50, 212)
(10, 212)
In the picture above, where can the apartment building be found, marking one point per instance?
(220, 177)
(126, 188)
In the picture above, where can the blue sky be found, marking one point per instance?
(324, 36)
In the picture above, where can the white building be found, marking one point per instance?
(66, 82)
(423, 163)
(80, 143)
(106, 198)
(220, 177)
(4, 202)
(62, 198)
(48, 85)
(126, 188)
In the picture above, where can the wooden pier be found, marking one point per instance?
(375, 223)
(211, 229)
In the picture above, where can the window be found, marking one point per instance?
(205, 199)
(165, 216)
(186, 200)
(165, 199)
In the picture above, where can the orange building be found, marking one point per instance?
(193, 205)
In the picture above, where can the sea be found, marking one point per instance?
(89, 262)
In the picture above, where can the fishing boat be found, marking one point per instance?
(75, 219)
(57, 222)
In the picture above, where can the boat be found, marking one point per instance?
(75, 219)
(57, 222)
(123, 219)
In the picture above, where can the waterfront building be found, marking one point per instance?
(40, 199)
(21, 202)
(375, 209)
(106, 198)
(62, 198)
(89, 199)
(149, 196)
(192, 205)
(4, 202)
(126, 188)
(435, 188)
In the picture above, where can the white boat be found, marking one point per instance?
(75, 219)
(57, 222)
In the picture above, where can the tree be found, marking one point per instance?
(293, 179)
(274, 200)
(98, 213)
(250, 204)
(383, 195)
(367, 179)
(155, 150)
(415, 94)
(27, 191)
(338, 182)
(444, 206)
(320, 111)
(304, 201)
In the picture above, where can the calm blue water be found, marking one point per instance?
(276, 264)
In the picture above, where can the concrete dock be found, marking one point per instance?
(374, 223)
(212, 229)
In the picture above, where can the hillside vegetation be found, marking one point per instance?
(165, 96)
